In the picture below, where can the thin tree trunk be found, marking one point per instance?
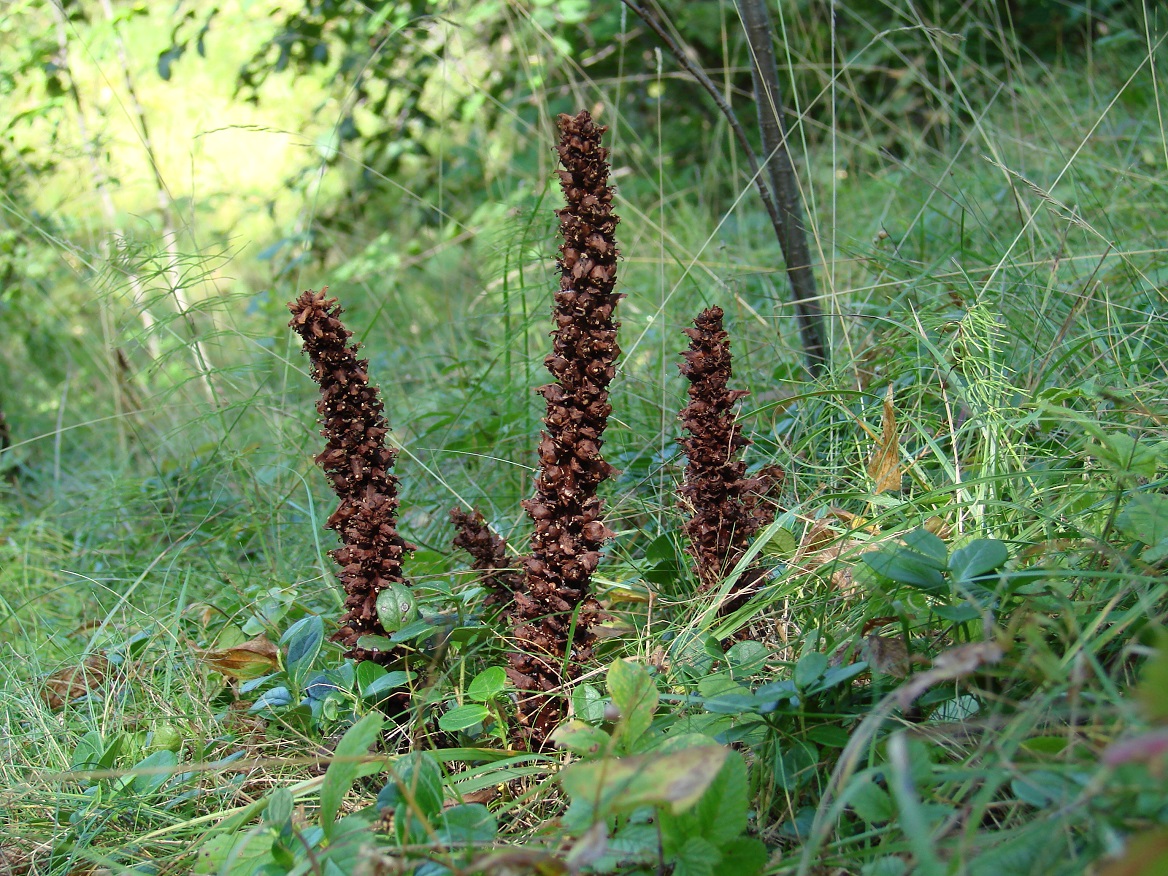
(784, 183)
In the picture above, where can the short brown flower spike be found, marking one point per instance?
(360, 467)
(724, 506)
(565, 545)
(496, 570)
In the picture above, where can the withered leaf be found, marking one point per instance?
(884, 466)
(250, 659)
(885, 654)
(950, 665)
(66, 685)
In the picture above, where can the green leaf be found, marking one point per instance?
(1125, 455)
(280, 805)
(303, 639)
(908, 567)
(158, 767)
(697, 857)
(721, 811)
(588, 703)
(488, 684)
(467, 823)
(463, 717)
(924, 542)
(379, 687)
(1145, 519)
(747, 658)
(635, 695)
(871, 802)
(580, 738)
(418, 778)
(677, 779)
(229, 854)
(342, 772)
(87, 754)
(744, 856)
(977, 558)
(810, 669)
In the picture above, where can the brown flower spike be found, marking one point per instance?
(489, 552)
(565, 545)
(360, 467)
(724, 505)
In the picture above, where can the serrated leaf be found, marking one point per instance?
(977, 558)
(342, 772)
(721, 812)
(635, 695)
(697, 857)
(1145, 518)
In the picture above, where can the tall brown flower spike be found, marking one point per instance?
(565, 545)
(496, 570)
(725, 507)
(360, 467)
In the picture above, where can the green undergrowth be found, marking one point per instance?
(962, 672)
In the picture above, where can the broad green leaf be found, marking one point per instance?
(977, 558)
(924, 542)
(342, 772)
(488, 684)
(580, 738)
(303, 639)
(386, 683)
(231, 854)
(810, 669)
(747, 658)
(157, 768)
(280, 806)
(418, 779)
(1145, 519)
(697, 857)
(677, 779)
(721, 811)
(467, 823)
(1125, 455)
(87, 754)
(871, 802)
(743, 856)
(463, 717)
(908, 567)
(588, 703)
(635, 695)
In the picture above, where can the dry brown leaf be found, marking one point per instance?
(884, 467)
(886, 654)
(251, 659)
(950, 665)
(66, 685)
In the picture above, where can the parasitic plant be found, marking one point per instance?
(553, 612)
(489, 552)
(359, 465)
(726, 508)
